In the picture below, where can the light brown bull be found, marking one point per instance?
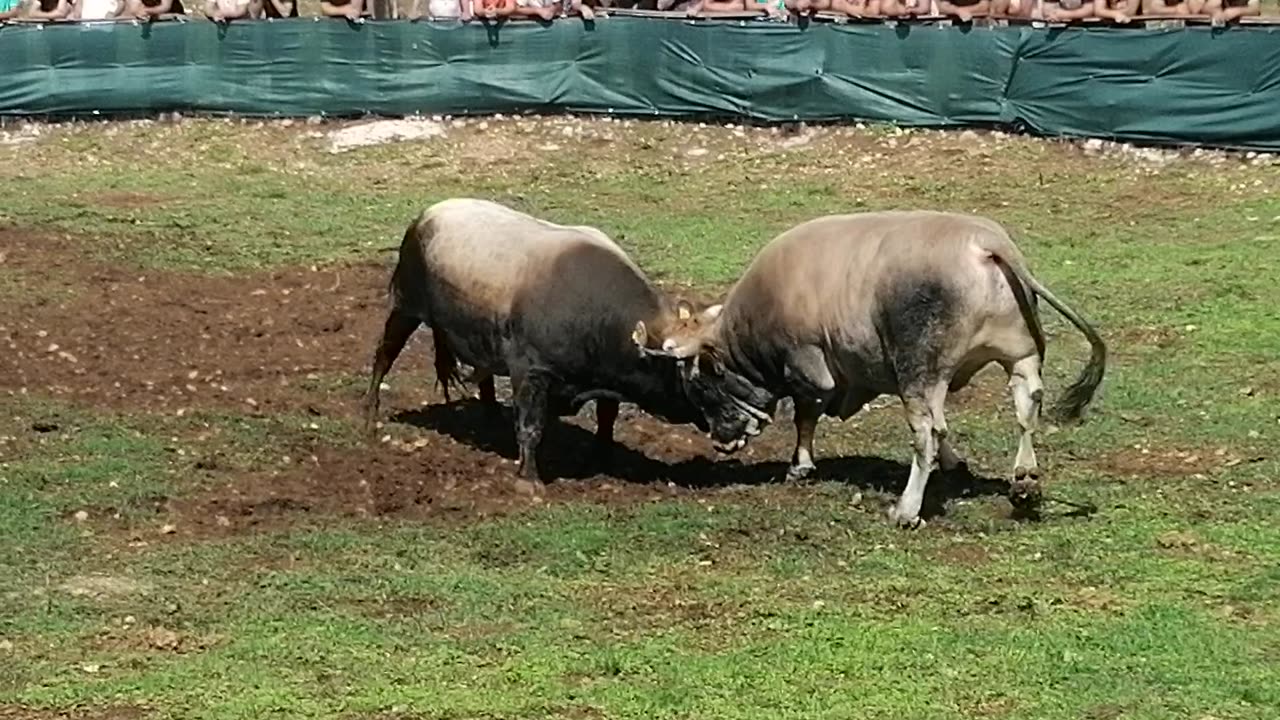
(839, 310)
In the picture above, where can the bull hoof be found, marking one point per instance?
(1021, 473)
(905, 521)
(1026, 497)
(796, 473)
(370, 427)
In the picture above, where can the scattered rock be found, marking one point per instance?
(381, 132)
(81, 516)
(696, 152)
(27, 133)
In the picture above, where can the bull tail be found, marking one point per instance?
(410, 293)
(448, 370)
(408, 286)
(1080, 393)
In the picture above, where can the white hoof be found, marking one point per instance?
(905, 520)
(799, 472)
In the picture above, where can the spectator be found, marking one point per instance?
(443, 10)
(10, 9)
(493, 9)
(905, 8)
(50, 9)
(98, 9)
(774, 8)
(964, 10)
(692, 8)
(857, 8)
(151, 9)
(1068, 10)
(279, 9)
(1169, 8)
(1017, 8)
(1225, 11)
(548, 9)
(228, 10)
(352, 10)
(1121, 11)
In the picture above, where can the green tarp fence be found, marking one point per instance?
(1192, 85)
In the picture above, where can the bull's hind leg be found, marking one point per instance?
(948, 458)
(924, 409)
(530, 398)
(395, 334)
(807, 413)
(1028, 391)
(488, 392)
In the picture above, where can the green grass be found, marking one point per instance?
(742, 602)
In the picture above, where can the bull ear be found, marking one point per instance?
(684, 310)
(713, 312)
(640, 336)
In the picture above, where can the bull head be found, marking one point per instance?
(682, 338)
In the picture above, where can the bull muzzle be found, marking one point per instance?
(757, 421)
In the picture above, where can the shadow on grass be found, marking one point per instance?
(569, 452)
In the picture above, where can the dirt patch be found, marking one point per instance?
(962, 553)
(426, 474)
(152, 639)
(1145, 336)
(170, 342)
(1158, 463)
(1097, 600)
(123, 200)
(101, 587)
(1186, 544)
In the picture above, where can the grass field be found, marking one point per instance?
(192, 527)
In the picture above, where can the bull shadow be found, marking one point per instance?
(568, 453)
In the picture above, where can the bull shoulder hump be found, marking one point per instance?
(489, 252)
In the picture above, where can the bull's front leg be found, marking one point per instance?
(807, 413)
(606, 417)
(807, 374)
(530, 399)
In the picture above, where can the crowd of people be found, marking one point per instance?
(1119, 11)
